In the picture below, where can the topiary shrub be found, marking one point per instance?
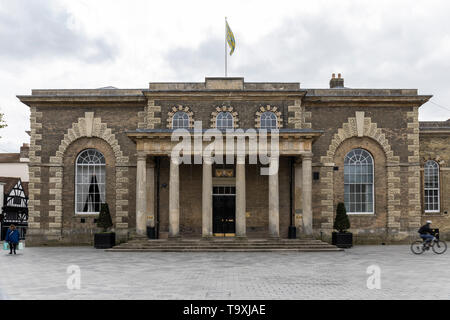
(341, 222)
(104, 219)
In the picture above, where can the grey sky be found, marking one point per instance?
(91, 44)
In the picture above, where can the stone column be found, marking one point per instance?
(307, 194)
(174, 198)
(298, 177)
(151, 193)
(274, 210)
(141, 195)
(241, 226)
(207, 224)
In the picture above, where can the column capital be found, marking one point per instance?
(274, 158)
(175, 160)
(141, 156)
(208, 160)
(240, 159)
(307, 156)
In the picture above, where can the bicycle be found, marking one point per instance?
(420, 246)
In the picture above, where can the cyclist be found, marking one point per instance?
(426, 233)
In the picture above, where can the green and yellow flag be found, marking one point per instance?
(230, 39)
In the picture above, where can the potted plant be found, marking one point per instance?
(342, 238)
(104, 239)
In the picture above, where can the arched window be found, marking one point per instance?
(358, 182)
(224, 121)
(269, 120)
(180, 120)
(89, 182)
(431, 187)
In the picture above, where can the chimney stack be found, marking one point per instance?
(24, 151)
(336, 82)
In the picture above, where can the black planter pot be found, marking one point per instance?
(342, 239)
(104, 240)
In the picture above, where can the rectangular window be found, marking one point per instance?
(17, 200)
(431, 187)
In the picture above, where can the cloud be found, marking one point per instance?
(194, 63)
(91, 44)
(377, 48)
(43, 29)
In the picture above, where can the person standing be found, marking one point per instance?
(12, 237)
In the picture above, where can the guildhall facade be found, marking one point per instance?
(363, 147)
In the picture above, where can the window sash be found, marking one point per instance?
(269, 121)
(431, 187)
(180, 120)
(225, 120)
(359, 195)
(88, 196)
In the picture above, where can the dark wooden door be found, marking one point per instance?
(224, 215)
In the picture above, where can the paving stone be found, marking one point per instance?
(41, 273)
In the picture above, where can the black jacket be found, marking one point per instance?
(425, 229)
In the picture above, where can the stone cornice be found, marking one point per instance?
(221, 95)
(166, 133)
(34, 100)
(384, 101)
(434, 131)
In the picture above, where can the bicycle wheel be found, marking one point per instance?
(417, 247)
(439, 247)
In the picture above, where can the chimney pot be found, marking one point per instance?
(336, 83)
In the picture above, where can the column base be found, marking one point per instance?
(174, 238)
(241, 238)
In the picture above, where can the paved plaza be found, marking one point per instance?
(41, 273)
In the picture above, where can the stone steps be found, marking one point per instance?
(226, 250)
(222, 245)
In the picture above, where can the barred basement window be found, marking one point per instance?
(180, 120)
(358, 182)
(224, 121)
(269, 120)
(89, 182)
(431, 187)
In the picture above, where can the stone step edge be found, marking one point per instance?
(228, 250)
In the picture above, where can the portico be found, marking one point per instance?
(293, 144)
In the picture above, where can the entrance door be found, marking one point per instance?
(224, 211)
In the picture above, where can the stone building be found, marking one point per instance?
(363, 147)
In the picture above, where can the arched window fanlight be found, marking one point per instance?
(269, 120)
(90, 181)
(224, 121)
(180, 117)
(180, 120)
(358, 182)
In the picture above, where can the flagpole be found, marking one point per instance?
(226, 57)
